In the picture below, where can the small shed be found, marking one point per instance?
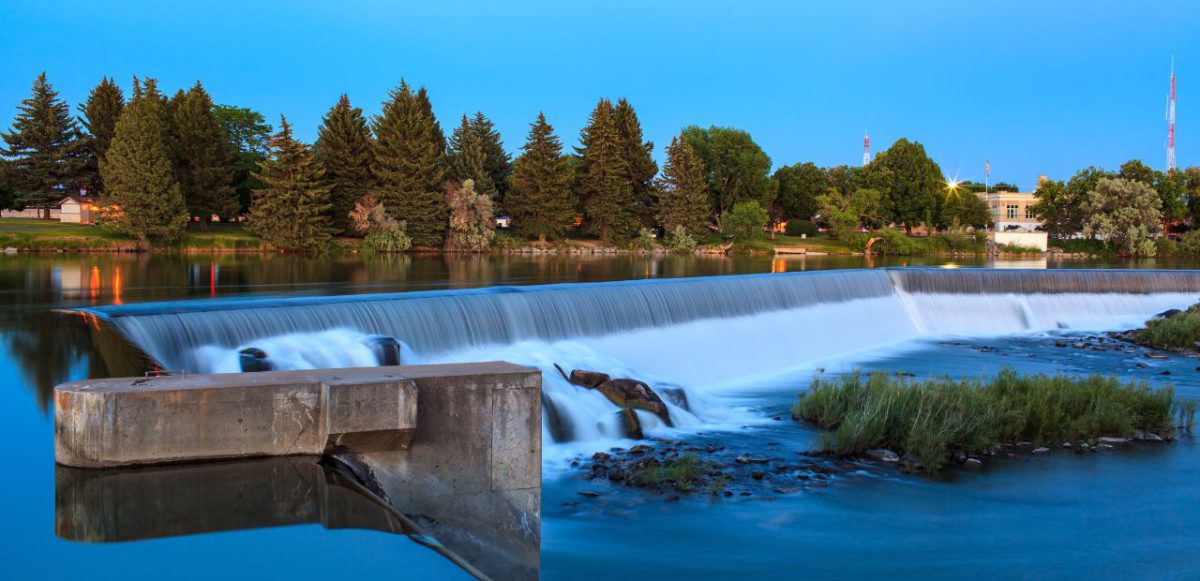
(75, 210)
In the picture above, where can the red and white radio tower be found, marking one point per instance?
(1171, 121)
(867, 150)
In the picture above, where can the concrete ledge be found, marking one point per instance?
(127, 421)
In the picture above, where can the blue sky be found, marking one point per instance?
(1037, 87)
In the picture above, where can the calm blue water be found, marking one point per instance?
(1124, 514)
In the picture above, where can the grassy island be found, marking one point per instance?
(930, 422)
(1174, 330)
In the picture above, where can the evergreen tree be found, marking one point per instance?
(497, 162)
(638, 161)
(540, 199)
(467, 160)
(48, 155)
(203, 159)
(683, 191)
(100, 113)
(291, 209)
(409, 166)
(603, 179)
(344, 149)
(142, 196)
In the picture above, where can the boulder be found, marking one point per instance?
(631, 393)
(1112, 440)
(1041, 451)
(557, 421)
(631, 426)
(677, 396)
(1147, 436)
(387, 349)
(589, 379)
(881, 455)
(1168, 313)
(254, 359)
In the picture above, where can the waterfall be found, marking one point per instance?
(700, 335)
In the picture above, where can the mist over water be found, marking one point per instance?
(713, 338)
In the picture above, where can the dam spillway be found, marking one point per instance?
(432, 325)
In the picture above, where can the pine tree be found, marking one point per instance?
(291, 209)
(603, 180)
(48, 155)
(100, 113)
(142, 197)
(639, 162)
(540, 199)
(203, 159)
(467, 160)
(409, 166)
(683, 197)
(497, 162)
(344, 149)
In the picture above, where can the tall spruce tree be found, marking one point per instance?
(100, 113)
(142, 197)
(540, 198)
(409, 166)
(499, 163)
(344, 149)
(638, 160)
(683, 190)
(47, 152)
(291, 209)
(467, 160)
(602, 180)
(203, 159)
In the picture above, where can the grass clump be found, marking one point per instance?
(1176, 331)
(931, 419)
(683, 473)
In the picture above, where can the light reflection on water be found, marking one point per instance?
(40, 347)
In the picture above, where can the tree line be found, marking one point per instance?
(158, 163)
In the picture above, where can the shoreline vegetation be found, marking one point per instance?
(925, 425)
(157, 170)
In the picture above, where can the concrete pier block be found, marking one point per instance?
(119, 422)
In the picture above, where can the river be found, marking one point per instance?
(1129, 513)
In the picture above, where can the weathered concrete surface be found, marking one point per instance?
(472, 476)
(119, 422)
(466, 466)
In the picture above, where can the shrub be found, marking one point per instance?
(680, 241)
(645, 240)
(745, 221)
(801, 227)
(393, 239)
(1178, 331)
(682, 473)
(932, 419)
(1164, 246)
(1189, 246)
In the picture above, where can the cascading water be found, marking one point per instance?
(707, 336)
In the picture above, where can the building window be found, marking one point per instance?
(1029, 213)
(1012, 212)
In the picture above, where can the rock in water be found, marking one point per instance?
(631, 393)
(631, 426)
(591, 379)
(882, 455)
(677, 396)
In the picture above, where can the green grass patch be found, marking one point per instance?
(934, 418)
(1176, 331)
(683, 473)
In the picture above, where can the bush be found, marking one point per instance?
(1083, 246)
(1178, 331)
(802, 228)
(745, 221)
(645, 240)
(1189, 245)
(1165, 247)
(683, 473)
(393, 239)
(680, 241)
(932, 419)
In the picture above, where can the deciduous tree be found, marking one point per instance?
(248, 133)
(738, 169)
(1124, 213)
(798, 188)
(917, 183)
(472, 218)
